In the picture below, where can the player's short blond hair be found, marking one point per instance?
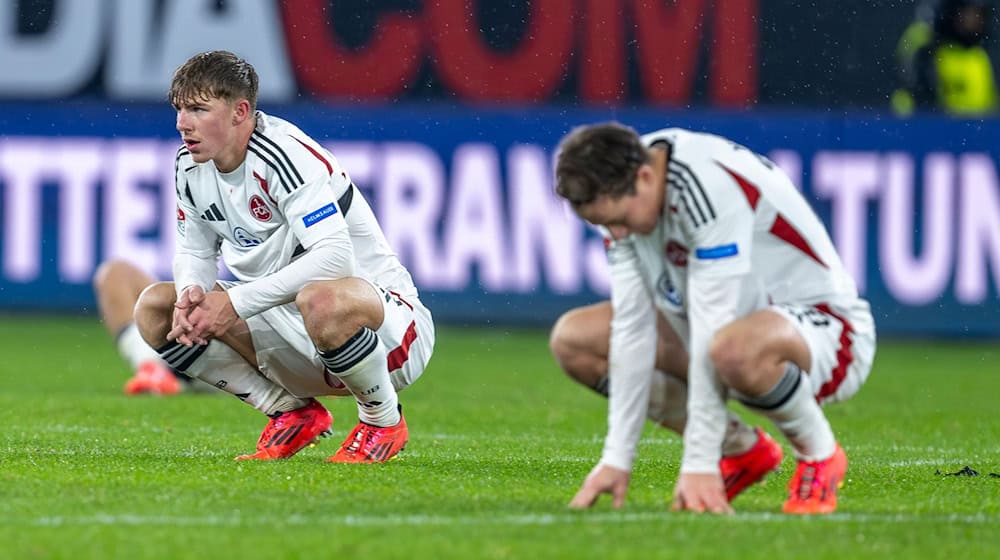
(597, 160)
(214, 74)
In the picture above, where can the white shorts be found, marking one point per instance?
(287, 356)
(841, 340)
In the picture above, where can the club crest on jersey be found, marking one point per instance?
(259, 209)
(677, 254)
(244, 238)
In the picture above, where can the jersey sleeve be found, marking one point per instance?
(196, 251)
(632, 356)
(721, 246)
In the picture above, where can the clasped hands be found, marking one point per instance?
(199, 317)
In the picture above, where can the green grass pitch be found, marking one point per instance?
(499, 442)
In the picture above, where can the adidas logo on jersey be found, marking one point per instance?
(213, 214)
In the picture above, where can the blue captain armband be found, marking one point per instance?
(720, 252)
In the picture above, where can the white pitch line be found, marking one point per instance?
(527, 520)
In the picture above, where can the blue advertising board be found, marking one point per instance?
(464, 195)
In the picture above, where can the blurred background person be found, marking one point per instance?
(942, 60)
(117, 285)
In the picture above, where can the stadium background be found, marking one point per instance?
(446, 114)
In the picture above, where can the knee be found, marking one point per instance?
(576, 357)
(110, 274)
(315, 300)
(730, 357)
(562, 339)
(154, 311)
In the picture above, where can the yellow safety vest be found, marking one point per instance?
(965, 80)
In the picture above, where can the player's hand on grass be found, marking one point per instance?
(700, 492)
(603, 479)
(181, 328)
(213, 316)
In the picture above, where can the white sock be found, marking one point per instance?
(791, 405)
(360, 363)
(668, 407)
(133, 348)
(219, 365)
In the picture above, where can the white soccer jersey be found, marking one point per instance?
(735, 236)
(288, 196)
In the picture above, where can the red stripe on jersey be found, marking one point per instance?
(401, 353)
(329, 168)
(844, 354)
(749, 189)
(785, 232)
(264, 187)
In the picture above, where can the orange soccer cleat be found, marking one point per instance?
(154, 378)
(372, 444)
(814, 487)
(741, 471)
(286, 434)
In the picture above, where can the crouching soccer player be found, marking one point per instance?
(322, 305)
(720, 269)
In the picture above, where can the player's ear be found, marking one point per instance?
(241, 111)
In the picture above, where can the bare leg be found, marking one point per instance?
(580, 343)
(117, 285)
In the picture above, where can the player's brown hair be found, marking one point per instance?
(214, 74)
(596, 160)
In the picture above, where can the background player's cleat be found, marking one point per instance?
(741, 471)
(814, 487)
(154, 378)
(286, 434)
(372, 444)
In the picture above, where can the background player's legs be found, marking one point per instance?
(764, 359)
(117, 285)
(579, 343)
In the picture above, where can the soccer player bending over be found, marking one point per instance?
(724, 284)
(322, 305)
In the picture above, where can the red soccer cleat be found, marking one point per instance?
(153, 378)
(814, 487)
(741, 471)
(372, 444)
(286, 434)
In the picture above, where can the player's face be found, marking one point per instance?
(638, 212)
(207, 127)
